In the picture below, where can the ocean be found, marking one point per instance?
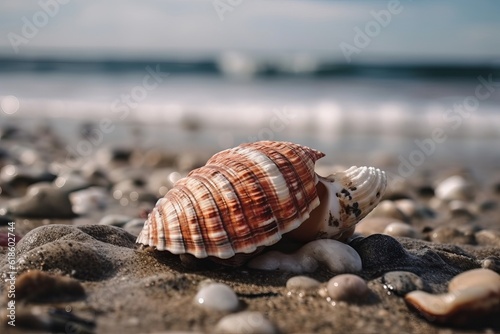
(449, 114)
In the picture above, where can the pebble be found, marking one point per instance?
(347, 287)
(488, 238)
(388, 209)
(398, 229)
(335, 255)
(302, 283)
(38, 286)
(455, 187)
(218, 297)
(471, 296)
(15, 175)
(381, 253)
(450, 234)
(89, 200)
(246, 322)
(71, 181)
(51, 320)
(43, 200)
(407, 206)
(132, 191)
(492, 263)
(374, 225)
(459, 209)
(115, 220)
(402, 282)
(134, 226)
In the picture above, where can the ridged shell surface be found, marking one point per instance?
(243, 198)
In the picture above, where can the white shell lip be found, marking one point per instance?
(345, 198)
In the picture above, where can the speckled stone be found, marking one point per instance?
(381, 253)
(403, 282)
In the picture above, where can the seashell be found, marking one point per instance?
(471, 296)
(248, 197)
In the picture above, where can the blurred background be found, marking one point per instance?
(359, 80)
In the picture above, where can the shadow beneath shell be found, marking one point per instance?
(219, 272)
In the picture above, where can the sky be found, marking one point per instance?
(422, 31)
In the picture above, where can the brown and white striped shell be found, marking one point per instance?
(249, 196)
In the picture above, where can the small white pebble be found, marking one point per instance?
(217, 296)
(401, 230)
(347, 287)
(455, 187)
(335, 255)
(302, 283)
(245, 323)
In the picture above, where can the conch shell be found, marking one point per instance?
(248, 197)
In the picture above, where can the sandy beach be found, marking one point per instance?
(79, 270)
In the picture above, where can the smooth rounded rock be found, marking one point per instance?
(402, 282)
(407, 206)
(335, 255)
(488, 238)
(401, 230)
(247, 322)
(455, 187)
(388, 209)
(452, 235)
(382, 253)
(42, 200)
(217, 297)
(89, 200)
(347, 287)
(115, 220)
(374, 225)
(472, 296)
(302, 283)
